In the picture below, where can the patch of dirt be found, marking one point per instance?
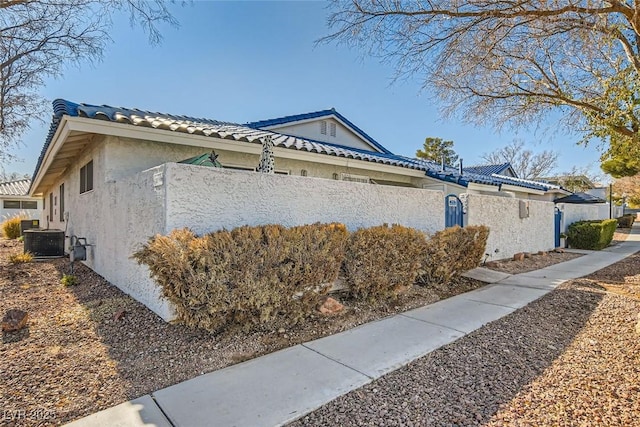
(534, 262)
(90, 346)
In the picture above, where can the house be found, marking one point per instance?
(117, 176)
(14, 200)
(574, 183)
(504, 169)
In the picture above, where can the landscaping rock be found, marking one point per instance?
(14, 320)
(527, 254)
(559, 250)
(119, 314)
(519, 256)
(331, 306)
(542, 253)
(491, 264)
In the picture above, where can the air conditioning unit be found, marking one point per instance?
(28, 224)
(44, 243)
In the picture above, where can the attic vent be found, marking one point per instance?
(323, 127)
(355, 178)
(332, 129)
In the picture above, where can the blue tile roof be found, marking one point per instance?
(488, 169)
(315, 115)
(253, 134)
(580, 198)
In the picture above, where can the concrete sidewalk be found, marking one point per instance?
(285, 385)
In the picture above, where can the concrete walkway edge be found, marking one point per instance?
(285, 385)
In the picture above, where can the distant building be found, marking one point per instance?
(14, 199)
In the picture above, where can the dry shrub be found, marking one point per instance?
(21, 258)
(451, 252)
(248, 276)
(11, 226)
(379, 261)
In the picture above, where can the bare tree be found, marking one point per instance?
(512, 62)
(525, 163)
(37, 37)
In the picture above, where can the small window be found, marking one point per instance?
(29, 205)
(86, 177)
(323, 127)
(332, 129)
(50, 207)
(334, 176)
(303, 172)
(12, 204)
(61, 202)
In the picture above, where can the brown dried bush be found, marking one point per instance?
(451, 252)
(247, 276)
(380, 261)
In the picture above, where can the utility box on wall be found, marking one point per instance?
(524, 209)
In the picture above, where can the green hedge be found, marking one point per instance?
(626, 221)
(594, 235)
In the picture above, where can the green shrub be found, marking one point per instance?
(626, 221)
(247, 276)
(11, 226)
(593, 235)
(379, 261)
(68, 280)
(451, 252)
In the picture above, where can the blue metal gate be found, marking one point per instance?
(452, 211)
(558, 221)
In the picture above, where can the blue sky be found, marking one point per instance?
(248, 61)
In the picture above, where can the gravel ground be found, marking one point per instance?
(571, 358)
(77, 356)
(536, 261)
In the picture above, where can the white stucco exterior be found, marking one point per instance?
(6, 212)
(312, 129)
(227, 199)
(508, 233)
(573, 212)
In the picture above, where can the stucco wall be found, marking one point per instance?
(228, 199)
(510, 234)
(572, 212)
(137, 212)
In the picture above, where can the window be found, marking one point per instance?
(29, 205)
(86, 177)
(61, 202)
(12, 204)
(323, 127)
(332, 129)
(303, 172)
(50, 207)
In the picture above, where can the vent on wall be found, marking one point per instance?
(355, 178)
(323, 127)
(332, 129)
